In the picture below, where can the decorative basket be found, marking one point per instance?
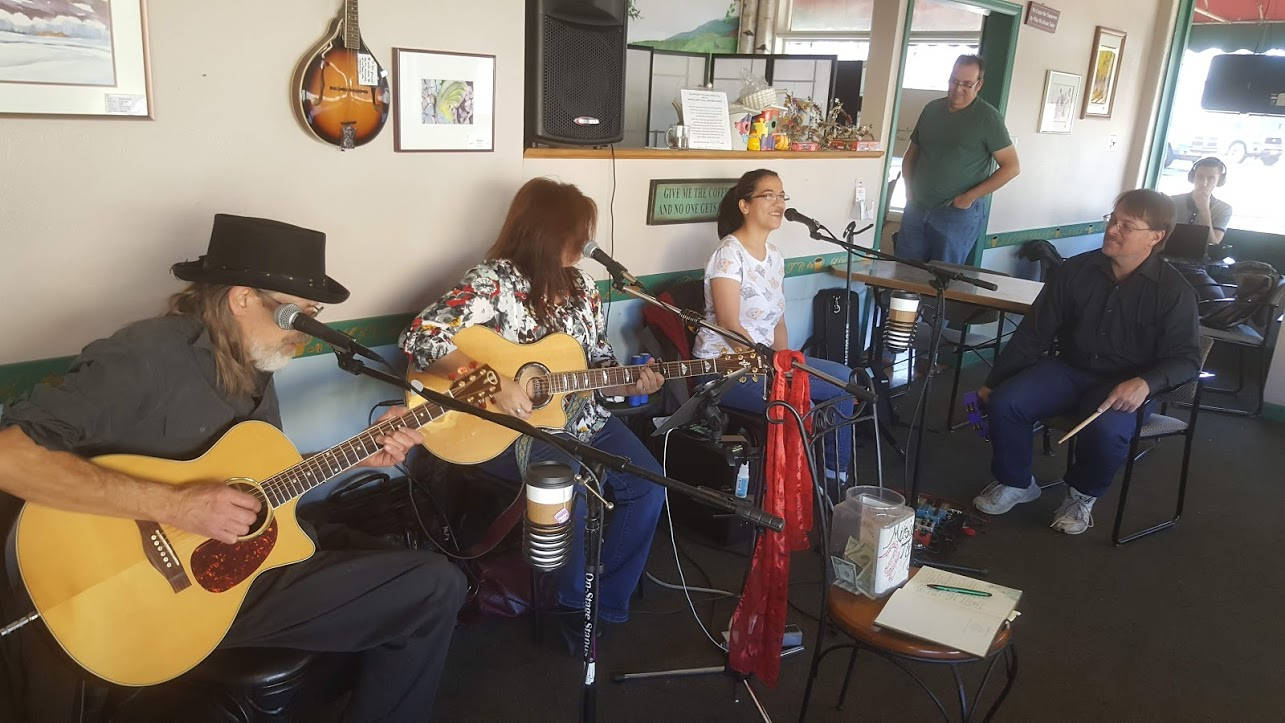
(758, 99)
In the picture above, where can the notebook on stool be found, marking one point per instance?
(1188, 242)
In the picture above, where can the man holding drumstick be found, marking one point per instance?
(1126, 327)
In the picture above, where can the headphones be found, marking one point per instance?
(1209, 162)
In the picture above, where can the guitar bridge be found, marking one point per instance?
(159, 552)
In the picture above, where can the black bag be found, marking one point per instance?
(1256, 285)
(828, 327)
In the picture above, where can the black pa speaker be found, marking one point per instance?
(1245, 84)
(575, 72)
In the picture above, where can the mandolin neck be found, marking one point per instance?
(324, 466)
(588, 379)
(352, 32)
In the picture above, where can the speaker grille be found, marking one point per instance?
(583, 77)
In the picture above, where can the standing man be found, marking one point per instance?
(169, 387)
(947, 169)
(1125, 323)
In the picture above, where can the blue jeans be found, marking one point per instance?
(629, 527)
(944, 233)
(1049, 388)
(749, 397)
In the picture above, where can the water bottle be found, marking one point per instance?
(743, 480)
(637, 400)
(859, 201)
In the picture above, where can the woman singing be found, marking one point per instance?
(745, 292)
(527, 288)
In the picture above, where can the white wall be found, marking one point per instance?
(1074, 178)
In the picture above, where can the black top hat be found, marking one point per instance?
(265, 254)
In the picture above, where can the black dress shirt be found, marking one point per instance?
(148, 389)
(1144, 326)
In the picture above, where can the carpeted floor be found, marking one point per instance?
(1182, 626)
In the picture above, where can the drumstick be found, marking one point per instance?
(1080, 426)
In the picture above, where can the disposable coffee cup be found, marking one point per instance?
(549, 493)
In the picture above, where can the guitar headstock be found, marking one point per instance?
(751, 361)
(475, 385)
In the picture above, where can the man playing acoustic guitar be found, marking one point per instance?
(169, 387)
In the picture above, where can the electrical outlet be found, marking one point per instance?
(1113, 142)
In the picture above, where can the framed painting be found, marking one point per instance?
(1104, 72)
(443, 101)
(1061, 93)
(83, 58)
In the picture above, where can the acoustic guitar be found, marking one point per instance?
(342, 89)
(549, 370)
(137, 602)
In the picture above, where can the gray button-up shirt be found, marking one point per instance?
(148, 389)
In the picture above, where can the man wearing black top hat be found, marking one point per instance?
(169, 387)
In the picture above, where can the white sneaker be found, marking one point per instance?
(1075, 515)
(998, 498)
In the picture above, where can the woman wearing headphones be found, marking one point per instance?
(1199, 205)
(745, 292)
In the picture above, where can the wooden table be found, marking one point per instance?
(1013, 295)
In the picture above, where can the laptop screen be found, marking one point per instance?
(1187, 242)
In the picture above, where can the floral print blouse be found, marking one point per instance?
(495, 294)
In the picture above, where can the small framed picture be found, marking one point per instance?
(74, 58)
(1104, 72)
(1061, 98)
(443, 101)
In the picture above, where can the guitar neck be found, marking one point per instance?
(352, 32)
(324, 466)
(588, 379)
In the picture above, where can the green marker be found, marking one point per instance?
(961, 590)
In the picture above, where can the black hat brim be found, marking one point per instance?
(325, 289)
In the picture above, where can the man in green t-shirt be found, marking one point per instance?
(948, 169)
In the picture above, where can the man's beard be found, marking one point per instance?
(270, 358)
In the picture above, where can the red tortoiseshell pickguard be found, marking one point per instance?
(218, 567)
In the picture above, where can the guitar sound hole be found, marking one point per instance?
(527, 375)
(265, 510)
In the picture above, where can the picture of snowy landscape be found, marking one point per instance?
(56, 41)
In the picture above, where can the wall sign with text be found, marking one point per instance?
(685, 200)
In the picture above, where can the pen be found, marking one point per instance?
(964, 590)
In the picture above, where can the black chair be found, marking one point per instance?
(1157, 426)
(1248, 340)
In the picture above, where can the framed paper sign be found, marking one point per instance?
(1104, 72)
(443, 101)
(1061, 91)
(86, 58)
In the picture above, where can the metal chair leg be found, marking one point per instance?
(847, 678)
(1011, 652)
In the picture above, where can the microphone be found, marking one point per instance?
(614, 267)
(792, 214)
(546, 528)
(899, 328)
(291, 317)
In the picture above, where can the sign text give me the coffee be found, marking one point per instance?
(685, 200)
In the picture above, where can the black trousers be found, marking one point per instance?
(395, 607)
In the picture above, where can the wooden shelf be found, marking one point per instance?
(653, 154)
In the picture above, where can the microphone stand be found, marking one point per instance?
(940, 281)
(597, 462)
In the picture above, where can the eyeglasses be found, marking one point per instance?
(309, 309)
(1111, 220)
(965, 84)
(769, 196)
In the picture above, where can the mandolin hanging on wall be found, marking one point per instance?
(342, 88)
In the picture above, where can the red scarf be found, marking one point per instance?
(758, 625)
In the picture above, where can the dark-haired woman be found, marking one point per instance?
(745, 292)
(526, 289)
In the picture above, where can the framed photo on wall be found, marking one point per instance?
(1104, 72)
(1061, 96)
(75, 58)
(443, 101)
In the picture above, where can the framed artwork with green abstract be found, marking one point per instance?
(443, 101)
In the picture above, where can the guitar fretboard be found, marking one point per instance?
(579, 381)
(323, 466)
(352, 33)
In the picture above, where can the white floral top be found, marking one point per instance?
(494, 294)
(762, 294)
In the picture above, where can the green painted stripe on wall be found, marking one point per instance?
(1274, 412)
(1015, 238)
(17, 379)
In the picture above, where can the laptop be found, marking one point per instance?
(1188, 242)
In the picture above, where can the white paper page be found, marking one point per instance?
(705, 115)
(964, 622)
